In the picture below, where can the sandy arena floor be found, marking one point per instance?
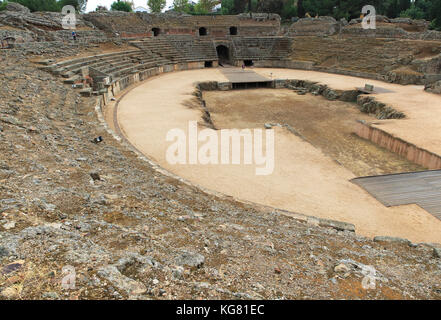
(327, 125)
(305, 179)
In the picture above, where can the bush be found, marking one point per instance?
(121, 6)
(413, 12)
(3, 5)
(79, 5)
(435, 24)
(39, 5)
(289, 10)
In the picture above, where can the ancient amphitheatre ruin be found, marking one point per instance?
(85, 182)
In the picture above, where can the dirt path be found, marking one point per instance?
(304, 179)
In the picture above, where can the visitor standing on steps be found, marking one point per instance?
(74, 35)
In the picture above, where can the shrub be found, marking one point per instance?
(121, 6)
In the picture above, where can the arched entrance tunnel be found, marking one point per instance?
(156, 32)
(202, 31)
(223, 54)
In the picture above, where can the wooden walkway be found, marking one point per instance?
(422, 188)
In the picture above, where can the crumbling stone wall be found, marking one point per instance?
(54, 49)
(140, 24)
(396, 60)
(13, 6)
(403, 28)
(41, 26)
(321, 26)
(434, 87)
(18, 35)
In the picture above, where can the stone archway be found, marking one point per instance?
(156, 32)
(223, 54)
(202, 31)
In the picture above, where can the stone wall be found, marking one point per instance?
(54, 49)
(43, 26)
(321, 26)
(434, 87)
(308, 65)
(402, 28)
(390, 31)
(429, 65)
(411, 152)
(141, 24)
(18, 35)
(400, 61)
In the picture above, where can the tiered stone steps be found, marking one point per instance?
(370, 55)
(115, 65)
(179, 48)
(258, 48)
(110, 63)
(160, 51)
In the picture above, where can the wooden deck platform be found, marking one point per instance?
(422, 188)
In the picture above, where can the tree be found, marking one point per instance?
(79, 5)
(227, 7)
(207, 5)
(436, 13)
(289, 10)
(300, 8)
(3, 5)
(180, 5)
(156, 5)
(403, 5)
(270, 6)
(121, 6)
(39, 5)
(199, 9)
(239, 6)
(413, 12)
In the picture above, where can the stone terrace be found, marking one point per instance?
(141, 24)
(400, 61)
(178, 49)
(271, 48)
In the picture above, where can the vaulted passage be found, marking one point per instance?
(156, 32)
(248, 63)
(223, 54)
